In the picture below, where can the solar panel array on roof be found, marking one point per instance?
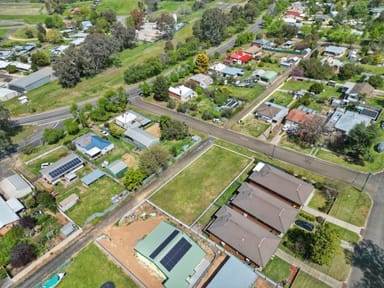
(175, 254)
(370, 113)
(163, 244)
(62, 169)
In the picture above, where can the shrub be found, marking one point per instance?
(307, 216)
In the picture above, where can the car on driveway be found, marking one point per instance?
(305, 225)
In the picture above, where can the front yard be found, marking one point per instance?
(305, 280)
(81, 272)
(252, 126)
(190, 192)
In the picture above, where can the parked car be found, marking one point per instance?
(305, 225)
(105, 133)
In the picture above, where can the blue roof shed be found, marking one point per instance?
(92, 177)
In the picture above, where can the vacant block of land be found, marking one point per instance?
(188, 194)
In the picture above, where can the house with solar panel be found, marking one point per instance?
(67, 165)
(92, 145)
(172, 255)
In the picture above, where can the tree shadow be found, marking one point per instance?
(370, 259)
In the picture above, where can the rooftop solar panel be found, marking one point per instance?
(164, 244)
(175, 254)
(62, 169)
(370, 113)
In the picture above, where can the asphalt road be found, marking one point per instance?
(50, 267)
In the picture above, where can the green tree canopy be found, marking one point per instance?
(213, 26)
(172, 129)
(201, 63)
(52, 135)
(154, 158)
(160, 89)
(134, 178)
(324, 244)
(360, 140)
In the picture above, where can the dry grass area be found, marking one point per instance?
(261, 283)
(22, 8)
(129, 160)
(154, 130)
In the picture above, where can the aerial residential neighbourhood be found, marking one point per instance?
(207, 144)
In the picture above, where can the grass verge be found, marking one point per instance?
(305, 280)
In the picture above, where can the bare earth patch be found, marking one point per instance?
(129, 160)
(121, 242)
(154, 130)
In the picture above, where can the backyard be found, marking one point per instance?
(81, 272)
(281, 98)
(95, 198)
(190, 192)
(51, 157)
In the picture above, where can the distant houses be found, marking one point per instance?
(8, 215)
(335, 51)
(15, 186)
(140, 138)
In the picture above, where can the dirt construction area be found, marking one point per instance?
(154, 130)
(122, 239)
(129, 160)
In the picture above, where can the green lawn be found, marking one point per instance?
(287, 142)
(3, 32)
(189, 193)
(318, 200)
(277, 270)
(120, 7)
(204, 220)
(251, 126)
(305, 280)
(246, 94)
(296, 85)
(375, 166)
(52, 157)
(29, 19)
(375, 101)
(281, 98)
(95, 198)
(21, 33)
(373, 69)
(92, 268)
(345, 234)
(352, 206)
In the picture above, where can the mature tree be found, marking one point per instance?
(133, 179)
(146, 88)
(21, 255)
(376, 81)
(47, 201)
(40, 58)
(314, 69)
(41, 32)
(151, 6)
(68, 67)
(213, 26)
(27, 222)
(347, 71)
(71, 126)
(324, 245)
(172, 129)
(168, 46)
(153, 159)
(109, 15)
(310, 130)
(9, 240)
(360, 140)
(125, 36)
(316, 88)
(54, 36)
(201, 63)
(98, 47)
(160, 89)
(52, 135)
(244, 38)
(115, 130)
(359, 9)
(166, 23)
(137, 17)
